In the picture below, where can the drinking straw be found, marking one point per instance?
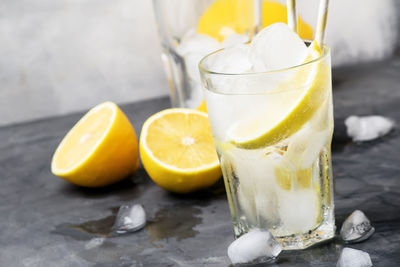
(257, 16)
(321, 23)
(292, 14)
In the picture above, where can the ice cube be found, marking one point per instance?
(299, 210)
(193, 47)
(368, 128)
(356, 228)
(234, 59)
(129, 219)
(256, 185)
(276, 47)
(306, 145)
(193, 42)
(353, 258)
(235, 39)
(255, 246)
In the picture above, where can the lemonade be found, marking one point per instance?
(272, 126)
(189, 30)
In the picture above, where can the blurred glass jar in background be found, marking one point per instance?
(190, 30)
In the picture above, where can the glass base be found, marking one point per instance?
(322, 233)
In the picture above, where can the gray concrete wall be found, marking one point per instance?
(59, 56)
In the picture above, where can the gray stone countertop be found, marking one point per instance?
(45, 221)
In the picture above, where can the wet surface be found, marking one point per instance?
(174, 221)
(44, 221)
(89, 229)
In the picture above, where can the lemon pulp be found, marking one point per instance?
(177, 150)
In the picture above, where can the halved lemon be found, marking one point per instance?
(177, 150)
(294, 108)
(101, 149)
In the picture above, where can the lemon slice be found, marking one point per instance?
(292, 109)
(177, 150)
(99, 150)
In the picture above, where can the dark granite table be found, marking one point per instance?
(45, 221)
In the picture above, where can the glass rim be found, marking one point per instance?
(202, 68)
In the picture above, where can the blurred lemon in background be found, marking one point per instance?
(224, 17)
(273, 12)
(101, 149)
(177, 150)
(202, 106)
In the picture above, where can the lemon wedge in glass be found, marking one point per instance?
(299, 98)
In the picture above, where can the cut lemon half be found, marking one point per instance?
(293, 108)
(101, 149)
(177, 150)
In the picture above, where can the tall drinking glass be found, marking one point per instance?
(191, 29)
(273, 134)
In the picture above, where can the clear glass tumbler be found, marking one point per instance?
(191, 29)
(273, 134)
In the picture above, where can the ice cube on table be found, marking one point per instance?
(368, 127)
(277, 47)
(129, 219)
(256, 246)
(353, 258)
(356, 228)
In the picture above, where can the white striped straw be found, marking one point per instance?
(257, 16)
(321, 23)
(292, 14)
